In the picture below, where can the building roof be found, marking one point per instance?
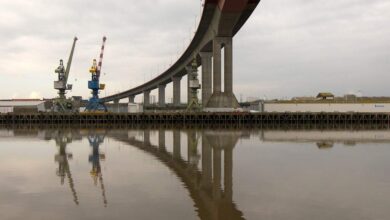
(324, 95)
(20, 102)
(337, 100)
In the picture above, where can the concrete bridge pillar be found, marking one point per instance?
(189, 72)
(222, 99)
(217, 70)
(161, 95)
(206, 76)
(228, 66)
(176, 90)
(131, 99)
(116, 106)
(176, 144)
(146, 98)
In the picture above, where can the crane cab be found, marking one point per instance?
(93, 68)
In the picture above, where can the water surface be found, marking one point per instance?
(194, 174)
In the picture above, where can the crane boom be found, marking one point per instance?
(69, 63)
(99, 67)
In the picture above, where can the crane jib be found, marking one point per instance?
(99, 67)
(68, 65)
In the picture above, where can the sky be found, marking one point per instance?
(287, 48)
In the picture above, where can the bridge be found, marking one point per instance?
(220, 21)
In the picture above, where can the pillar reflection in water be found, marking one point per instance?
(213, 201)
(176, 144)
(192, 148)
(161, 140)
(206, 165)
(218, 142)
(204, 185)
(147, 136)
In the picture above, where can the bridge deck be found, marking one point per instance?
(203, 118)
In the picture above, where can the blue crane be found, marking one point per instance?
(94, 103)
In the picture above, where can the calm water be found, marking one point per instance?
(194, 174)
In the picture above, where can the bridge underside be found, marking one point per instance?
(221, 20)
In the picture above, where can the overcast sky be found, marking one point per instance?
(287, 48)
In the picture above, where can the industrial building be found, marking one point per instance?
(324, 102)
(25, 106)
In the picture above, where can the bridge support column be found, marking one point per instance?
(131, 99)
(146, 98)
(217, 70)
(176, 144)
(176, 90)
(161, 95)
(189, 72)
(228, 66)
(225, 100)
(116, 106)
(206, 76)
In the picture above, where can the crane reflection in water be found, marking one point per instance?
(203, 165)
(63, 171)
(95, 139)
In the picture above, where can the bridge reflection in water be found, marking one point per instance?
(212, 199)
(204, 185)
(203, 164)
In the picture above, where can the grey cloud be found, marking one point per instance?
(287, 48)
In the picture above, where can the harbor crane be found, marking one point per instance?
(94, 103)
(61, 103)
(194, 86)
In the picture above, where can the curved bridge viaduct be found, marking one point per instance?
(220, 21)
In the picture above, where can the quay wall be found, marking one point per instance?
(201, 118)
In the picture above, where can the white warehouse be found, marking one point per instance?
(24, 105)
(327, 102)
(325, 107)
